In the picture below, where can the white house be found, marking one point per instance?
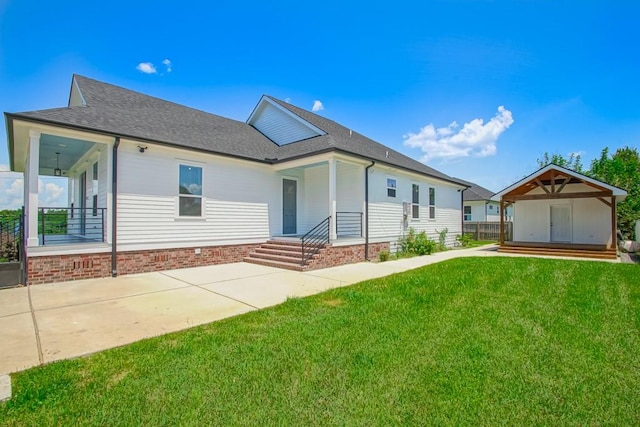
(155, 185)
(559, 211)
(477, 205)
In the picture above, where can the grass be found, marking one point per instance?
(470, 341)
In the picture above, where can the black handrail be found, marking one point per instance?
(315, 240)
(71, 225)
(349, 224)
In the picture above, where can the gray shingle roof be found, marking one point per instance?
(475, 192)
(344, 139)
(114, 110)
(118, 111)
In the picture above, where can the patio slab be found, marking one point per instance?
(14, 301)
(18, 343)
(220, 273)
(82, 329)
(94, 290)
(265, 291)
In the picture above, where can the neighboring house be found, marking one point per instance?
(562, 212)
(155, 185)
(477, 205)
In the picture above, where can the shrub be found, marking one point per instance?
(384, 256)
(464, 239)
(418, 244)
(442, 239)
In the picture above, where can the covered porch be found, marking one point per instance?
(324, 196)
(557, 211)
(75, 166)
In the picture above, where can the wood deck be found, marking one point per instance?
(559, 249)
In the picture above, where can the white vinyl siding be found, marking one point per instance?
(590, 221)
(279, 126)
(349, 187)
(316, 197)
(386, 214)
(241, 200)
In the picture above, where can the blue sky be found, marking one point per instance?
(477, 89)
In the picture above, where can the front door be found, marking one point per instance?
(289, 190)
(560, 223)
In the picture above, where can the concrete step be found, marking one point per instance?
(277, 264)
(297, 259)
(282, 248)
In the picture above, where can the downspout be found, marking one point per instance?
(462, 211)
(366, 210)
(114, 206)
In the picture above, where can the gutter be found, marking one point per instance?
(114, 206)
(366, 210)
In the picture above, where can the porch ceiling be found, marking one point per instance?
(70, 149)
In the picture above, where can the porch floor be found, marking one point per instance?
(66, 239)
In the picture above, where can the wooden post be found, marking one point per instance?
(501, 221)
(614, 228)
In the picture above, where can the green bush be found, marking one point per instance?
(384, 256)
(418, 244)
(442, 239)
(464, 239)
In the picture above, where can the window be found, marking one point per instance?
(391, 187)
(190, 189)
(415, 201)
(467, 213)
(432, 203)
(497, 209)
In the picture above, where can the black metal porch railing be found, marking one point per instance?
(11, 236)
(315, 240)
(63, 226)
(349, 224)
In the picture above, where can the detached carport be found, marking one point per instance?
(557, 211)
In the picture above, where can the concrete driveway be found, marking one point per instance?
(43, 323)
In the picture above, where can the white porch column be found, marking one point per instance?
(333, 230)
(31, 189)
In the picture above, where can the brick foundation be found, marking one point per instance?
(333, 256)
(62, 268)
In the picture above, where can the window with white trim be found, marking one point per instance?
(432, 203)
(415, 201)
(391, 187)
(467, 213)
(190, 191)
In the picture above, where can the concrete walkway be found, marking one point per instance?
(44, 323)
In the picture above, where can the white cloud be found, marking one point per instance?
(167, 64)
(50, 192)
(317, 106)
(475, 138)
(147, 68)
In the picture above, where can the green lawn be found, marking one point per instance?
(471, 341)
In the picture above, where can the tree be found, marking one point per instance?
(622, 170)
(573, 162)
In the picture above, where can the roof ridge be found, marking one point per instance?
(161, 100)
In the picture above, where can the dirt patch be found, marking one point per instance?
(333, 302)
